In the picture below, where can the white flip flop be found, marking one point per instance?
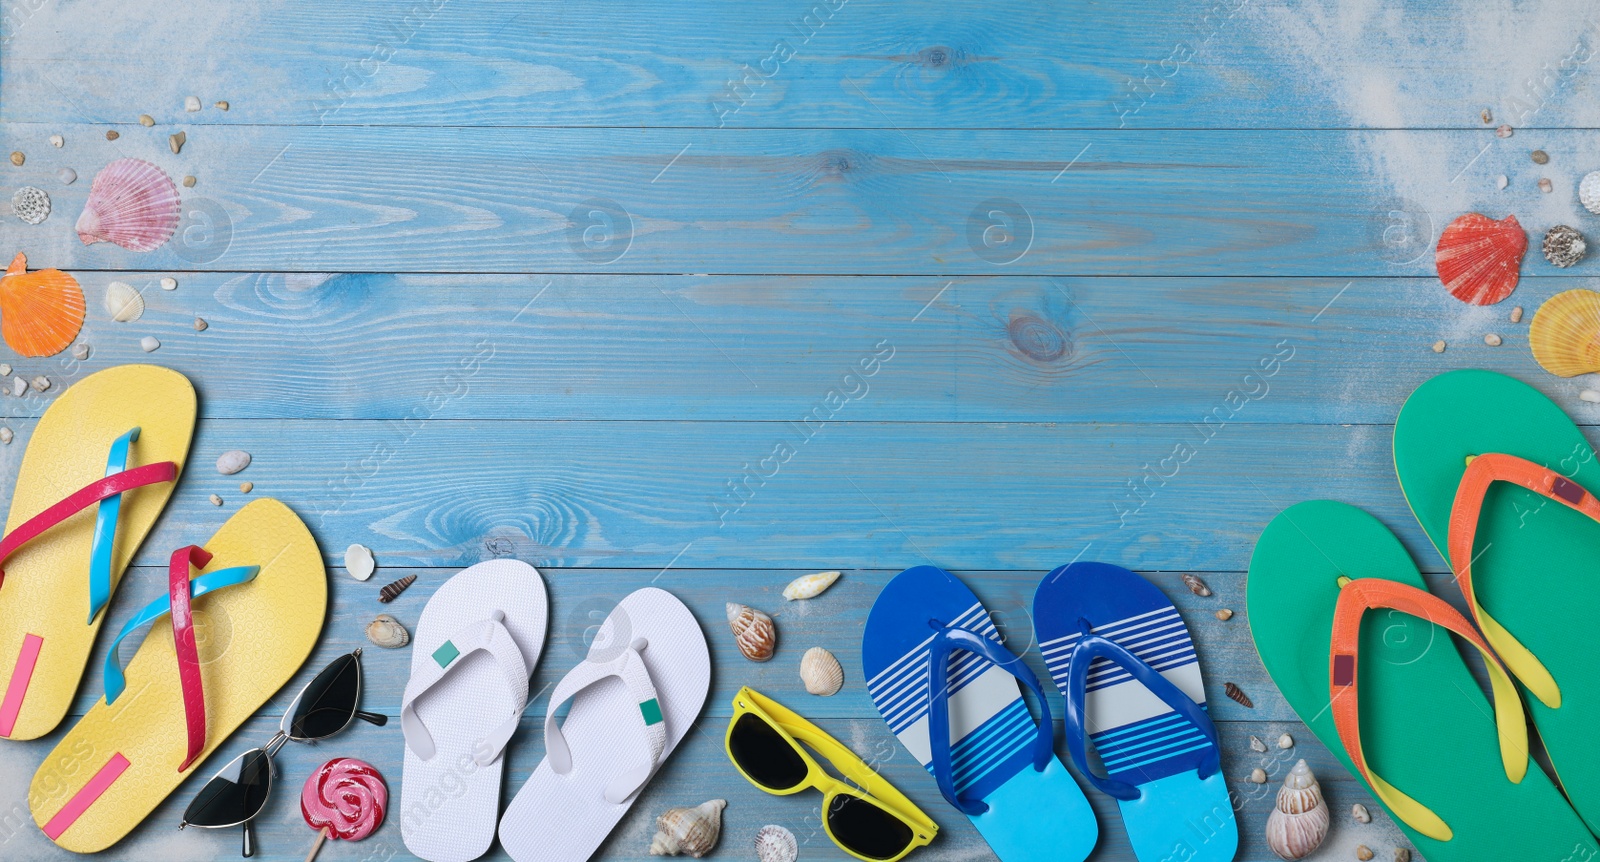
(633, 698)
(475, 647)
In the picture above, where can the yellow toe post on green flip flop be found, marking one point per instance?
(1335, 599)
(1503, 483)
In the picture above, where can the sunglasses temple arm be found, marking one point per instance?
(249, 838)
(373, 717)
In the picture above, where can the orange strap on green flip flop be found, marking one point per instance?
(1483, 471)
(1358, 596)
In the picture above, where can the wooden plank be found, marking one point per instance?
(654, 494)
(830, 63)
(1006, 349)
(927, 202)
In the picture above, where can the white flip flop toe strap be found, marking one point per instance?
(491, 636)
(645, 722)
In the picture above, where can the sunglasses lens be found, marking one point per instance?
(329, 702)
(235, 794)
(866, 829)
(764, 754)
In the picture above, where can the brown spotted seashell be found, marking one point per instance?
(689, 831)
(1299, 818)
(753, 631)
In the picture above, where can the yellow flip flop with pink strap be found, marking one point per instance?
(78, 515)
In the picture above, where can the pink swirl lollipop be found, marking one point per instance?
(344, 799)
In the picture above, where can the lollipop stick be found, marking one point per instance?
(322, 835)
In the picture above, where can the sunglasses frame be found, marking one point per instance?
(869, 787)
(280, 737)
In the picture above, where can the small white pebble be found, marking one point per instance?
(1590, 396)
(149, 344)
(1503, 131)
(1492, 340)
(221, 106)
(1516, 314)
(18, 386)
(169, 283)
(200, 324)
(1359, 812)
(80, 351)
(245, 487)
(1438, 346)
(191, 103)
(5, 369)
(1257, 745)
(1501, 181)
(57, 141)
(1258, 776)
(6, 435)
(41, 383)
(67, 176)
(215, 500)
(1545, 185)
(1286, 741)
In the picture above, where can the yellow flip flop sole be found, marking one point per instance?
(44, 600)
(121, 760)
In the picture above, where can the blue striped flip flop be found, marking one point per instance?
(939, 676)
(1121, 655)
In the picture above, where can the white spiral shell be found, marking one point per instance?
(690, 831)
(1299, 818)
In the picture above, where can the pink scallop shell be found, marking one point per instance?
(133, 204)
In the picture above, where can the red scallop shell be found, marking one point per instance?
(1478, 258)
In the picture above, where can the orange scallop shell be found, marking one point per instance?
(41, 312)
(1478, 258)
(1565, 333)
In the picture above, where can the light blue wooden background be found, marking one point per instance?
(433, 346)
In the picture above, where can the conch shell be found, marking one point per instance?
(1565, 333)
(1299, 819)
(809, 586)
(753, 631)
(690, 831)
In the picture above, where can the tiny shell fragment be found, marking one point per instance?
(1402, 854)
(111, 134)
(1590, 396)
(1487, 116)
(1516, 314)
(17, 158)
(1503, 132)
(149, 344)
(1545, 185)
(1359, 812)
(80, 351)
(67, 176)
(169, 283)
(215, 500)
(1258, 776)
(18, 386)
(232, 461)
(176, 140)
(41, 383)
(1438, 347)
(1225, 614)
(1238, 695)
(1257, 745)
(1363, 852)
(200, 324)
(246, 487)
(221, 106)
(1502, 181)
(1492, 340)
(1286, 741)
(6, 435)
(1540, 157)
(188, 182)
(358, 561)
(57, 141)
(5, 369)
(1195, 585)
(191, 103)
(146, 120)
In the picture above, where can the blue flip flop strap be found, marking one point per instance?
(1093, 646)
(105, 529)
(162, 606)
(946, 641)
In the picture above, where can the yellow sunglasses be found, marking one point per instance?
(870, 820)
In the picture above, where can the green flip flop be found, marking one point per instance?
(1518, 527)
(1334, 598)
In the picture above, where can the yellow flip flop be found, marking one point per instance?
(238, 631)
(77, 517)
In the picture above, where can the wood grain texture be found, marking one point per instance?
(994, 349)
(896, 202)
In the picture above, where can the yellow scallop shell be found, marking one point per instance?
(1565, 333)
